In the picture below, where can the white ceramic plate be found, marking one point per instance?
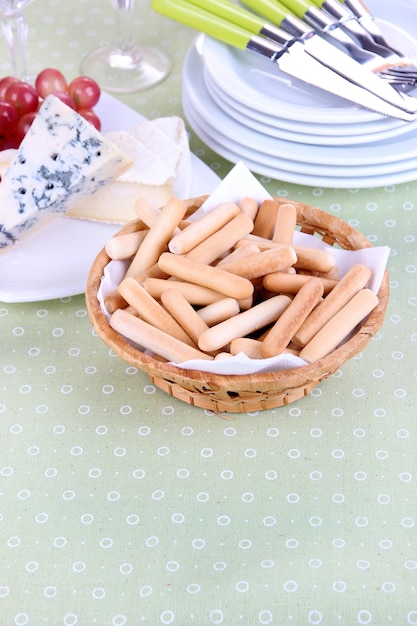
(300, 167)
(385, 162)
(324, 135)
(279, 172)
(313, 158)
(55, 261)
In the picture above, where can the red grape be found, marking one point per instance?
(84, 91)
(10, 142)
(91, 117)
(23, 97)
(24, 124)
(49, 81)
(4, 83)
(65, 98)
(8, 119)
(19, 102)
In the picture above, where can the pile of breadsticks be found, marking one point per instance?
(229, 282)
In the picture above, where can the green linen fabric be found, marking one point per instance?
(120, 505)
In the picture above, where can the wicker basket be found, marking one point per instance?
(255, 392)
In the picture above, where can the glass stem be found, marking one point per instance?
(128, 54)
(15, 31)
(124, 19)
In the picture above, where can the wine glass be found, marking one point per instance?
(125, 66)
(15, 30)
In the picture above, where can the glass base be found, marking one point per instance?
(122, 71)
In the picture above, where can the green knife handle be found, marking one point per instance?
(298, 7)
(270, 9)
(308, 11)
(233, 13)
(207, 23)
(334, 8)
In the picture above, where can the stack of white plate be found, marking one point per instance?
(246, 110)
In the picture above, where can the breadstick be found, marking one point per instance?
(222, 240)
(313, 259)
(132, 227)
(183, 313)
(199, 230)
(250, 347)
(218, 311)
(206, 275)
(285, 282)
(333, 273)
(239, 253)
(244, 323)
(150, 310)
(113, 301)
(289, 350)
(245, 303)
(159, 234)
(289, 322)
(265, 218)
(285, 224)
(262, 263)
(249, 206)
(152, 272)
(147, 210)
(262, 242)
(154, 339)
(339, 326)
(195, 294)
(353, 281)
(157, 357)
(124, 246)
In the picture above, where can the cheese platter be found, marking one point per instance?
(54, 261)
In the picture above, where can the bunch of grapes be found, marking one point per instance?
(20, 101)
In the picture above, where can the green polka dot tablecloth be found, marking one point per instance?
(120, 505)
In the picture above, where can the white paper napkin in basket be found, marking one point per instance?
(238, 184)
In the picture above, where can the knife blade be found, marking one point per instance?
(329, 55)
(291, 60)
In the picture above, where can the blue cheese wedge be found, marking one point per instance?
(6, 157)
(61, 160)
(160, 170)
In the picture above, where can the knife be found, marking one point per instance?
(344, 18)
(367, 20)
(320, 21)
(328, 54)
(396, 67)
(291, 59)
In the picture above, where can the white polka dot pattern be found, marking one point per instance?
(118, 495)
(123, 506)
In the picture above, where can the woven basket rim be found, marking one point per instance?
(308, 217)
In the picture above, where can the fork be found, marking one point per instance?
(356, 18)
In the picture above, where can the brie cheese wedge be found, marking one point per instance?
(160, 170)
